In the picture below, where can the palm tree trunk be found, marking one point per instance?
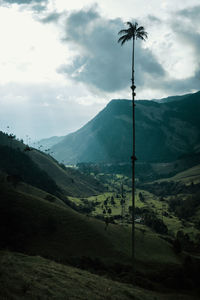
(133, 163)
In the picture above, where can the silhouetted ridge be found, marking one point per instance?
(17, 164)
(41, 170)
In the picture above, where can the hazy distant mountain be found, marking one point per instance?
(164, 131)
(49, 142)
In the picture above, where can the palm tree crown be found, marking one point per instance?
(133, 31)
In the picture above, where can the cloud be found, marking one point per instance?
(153, 20)
(24, 1)
(192, 13)
(191, 84)
(186, 29)
(187, 35)
(51, 18)
(102, 63)
(38, 7)
(43, 110)
(34, 5)
(182, 45)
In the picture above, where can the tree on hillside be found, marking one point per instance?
(133, 33)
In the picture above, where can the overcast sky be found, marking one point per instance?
(60, 62)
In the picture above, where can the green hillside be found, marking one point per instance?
(71, 181)
(177, 200)
(37, 168)
(35, 225)
(33, 277)
(188, 176)
(20, 166)
(107, 138)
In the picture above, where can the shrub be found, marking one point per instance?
(151, 220)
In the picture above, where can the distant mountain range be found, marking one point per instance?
(48, 142)
(165, 130)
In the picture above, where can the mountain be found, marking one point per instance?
(48, 142)
(41, 170)
(164, 131)
(171, 98)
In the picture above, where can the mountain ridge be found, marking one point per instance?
(51, 141)
(30, 164)
(107, 137)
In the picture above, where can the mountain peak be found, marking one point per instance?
(164, 131)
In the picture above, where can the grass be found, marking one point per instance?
(33, 277)
(56, 231)
(152, 202)
(116, 208)
(27, 190)
(72, 182)
(188, 176)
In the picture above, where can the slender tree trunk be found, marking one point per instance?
(133, 163)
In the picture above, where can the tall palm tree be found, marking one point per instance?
(133, 32)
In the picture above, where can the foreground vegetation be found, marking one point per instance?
(40, 225)
(33, 277)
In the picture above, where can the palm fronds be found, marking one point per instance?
(133, 31)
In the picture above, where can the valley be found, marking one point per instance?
(55, 239)
(99, 150)
(66, 231)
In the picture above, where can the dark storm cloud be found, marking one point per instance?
(102, 62)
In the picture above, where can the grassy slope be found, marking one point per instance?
(28, 277)
(72, 182)
(28, 190)
(60, 233)
(55, 231)
(188, 176)
(152, 203)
